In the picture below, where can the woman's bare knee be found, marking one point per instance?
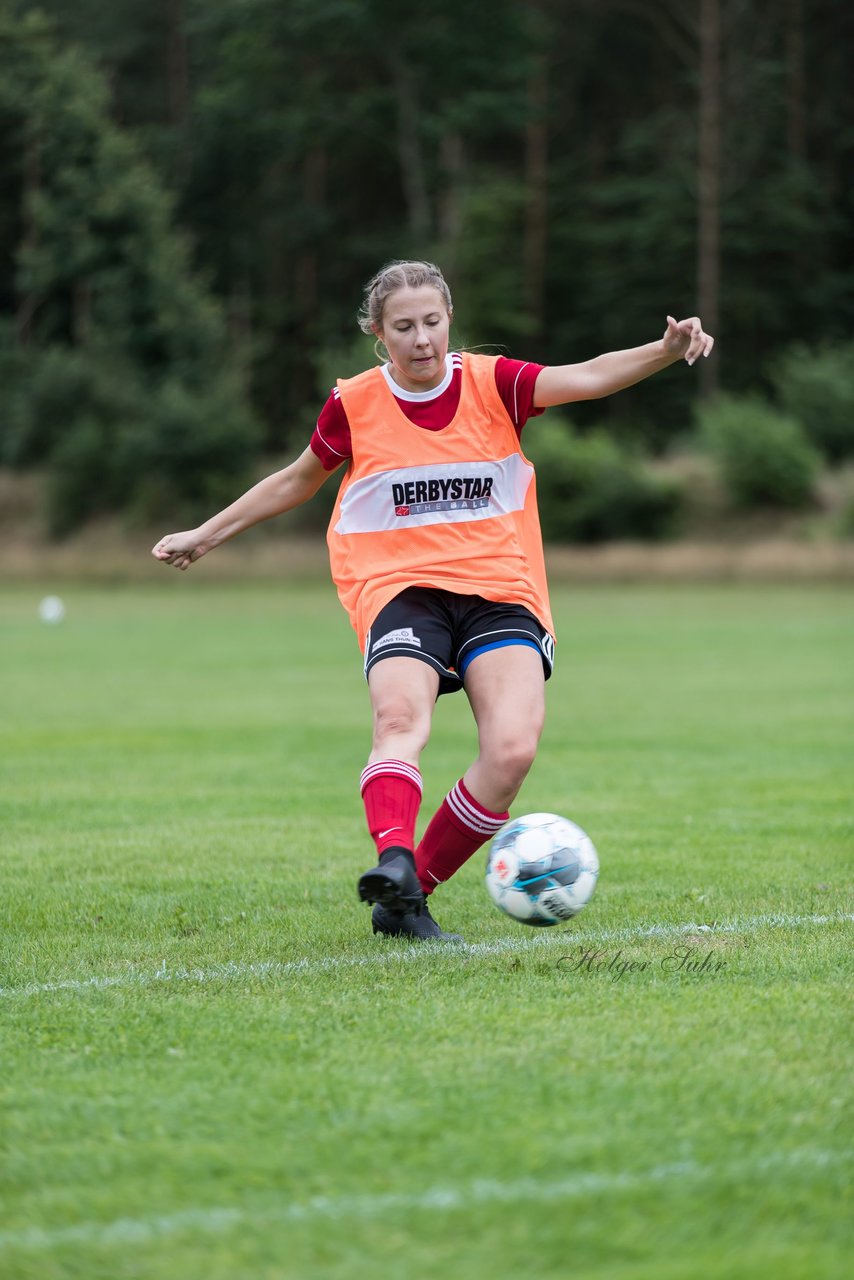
(402, 696)
(400, 719)
(511, 759)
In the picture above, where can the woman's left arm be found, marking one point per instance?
(616, 370)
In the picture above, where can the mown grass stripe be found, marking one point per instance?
(134, 977)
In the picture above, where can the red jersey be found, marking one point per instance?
(433, 410)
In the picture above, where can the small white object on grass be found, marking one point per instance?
(51, 609)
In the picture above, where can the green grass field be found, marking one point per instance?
(210, 1068)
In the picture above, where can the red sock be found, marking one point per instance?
(456, 831)
(391, 790)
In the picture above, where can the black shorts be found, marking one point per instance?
(447, 631)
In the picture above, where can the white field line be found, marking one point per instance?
(215, 1220)
(133, 976)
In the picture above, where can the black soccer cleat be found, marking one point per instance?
(393, 882)
(418, 924)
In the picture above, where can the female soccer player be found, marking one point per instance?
(436, 552)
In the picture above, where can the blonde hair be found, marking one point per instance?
(399, 275)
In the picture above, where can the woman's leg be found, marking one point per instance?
(403, 693)
(506, 689)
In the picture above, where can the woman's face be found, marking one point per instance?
(414, 329)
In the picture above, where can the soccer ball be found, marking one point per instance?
(541, 869)
(51, 609)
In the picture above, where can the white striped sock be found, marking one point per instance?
(395, 768)
(478, 822)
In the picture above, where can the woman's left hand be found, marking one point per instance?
(686, 338)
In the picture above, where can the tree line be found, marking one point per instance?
(194, 192)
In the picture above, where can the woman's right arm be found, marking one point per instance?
(279, 492)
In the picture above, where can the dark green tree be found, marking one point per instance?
(125, 382)
(579, 170)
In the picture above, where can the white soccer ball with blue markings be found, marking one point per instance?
(541, 869)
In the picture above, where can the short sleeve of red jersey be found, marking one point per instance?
(515, 381)
(331, 438)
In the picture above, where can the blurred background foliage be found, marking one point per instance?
(193, 193)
